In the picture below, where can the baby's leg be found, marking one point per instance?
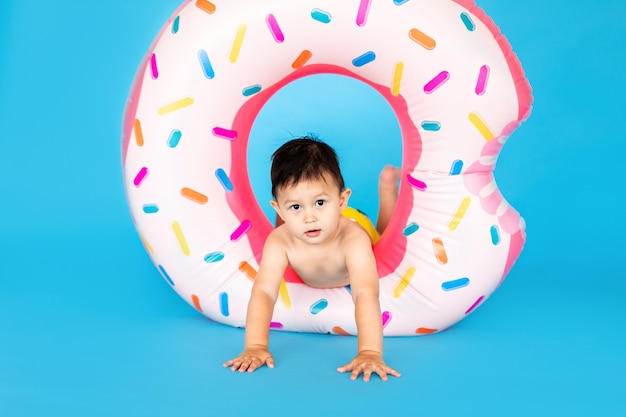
(388, 195)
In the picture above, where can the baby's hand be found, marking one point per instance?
(253, 357)
(368, 362)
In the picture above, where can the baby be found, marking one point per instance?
(323, 247)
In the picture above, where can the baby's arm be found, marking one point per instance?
(365, 290)
(260, 309)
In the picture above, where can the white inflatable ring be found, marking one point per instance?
(458, 92)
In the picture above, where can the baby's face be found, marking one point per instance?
(311, 209)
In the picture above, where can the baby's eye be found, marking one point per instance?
(295, 207)
(320, 203)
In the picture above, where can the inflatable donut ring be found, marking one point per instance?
(457, 90)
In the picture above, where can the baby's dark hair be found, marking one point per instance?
(304, 159)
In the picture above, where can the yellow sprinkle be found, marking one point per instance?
(480, 124)
(146, 244)
(181, 238)
(404, 283)
(234, 53)
(284, 295)
(460, 213)
(397, 78)
(177, 105)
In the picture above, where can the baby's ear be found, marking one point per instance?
(344, 197)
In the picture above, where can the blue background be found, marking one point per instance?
(89, 328)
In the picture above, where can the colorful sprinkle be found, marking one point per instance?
(457, 167)
(205, 64)
(460, 213)
(224, 180)
(348, 288)
(153, 67)
(495, 234)
(180, 236)
(425, 330)
(251, 90)
(386, 318)
(147, 245)
(234, 52)
(480, 124)
(241, 230)
(422, 39)
(177, 105)
(361, 17)
(274, 28)
(301, 59)
(397, 79)
(410, 229)
(213, 257)
(248, 270)
(476, 303)
(432, 126)
(415, 183)
(276, 325)
(338, 330)
(481, 83)
(404, 282)
(440, 251)
(224, 304)
(166, 275)
(194, 195)
(455, 284)
(467, 21)
(399, 2)
(436, 82)
(366, 58)
(196, 302)
(220, 132)
(320, 15)
(206, 6)
(150, 208)
(318, 306)
(284, 294)
(174, 138)
(138, 133)
(141, 176)
(175, 24)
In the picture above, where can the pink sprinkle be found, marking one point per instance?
(153, 67)
(141, 176)
(415, 183)
(386, 318)
(276, 325)
(436, 82)
(243, 228)
(274, 28)
(220, 132)
(481, 84)
(361, 17)
(480, 299)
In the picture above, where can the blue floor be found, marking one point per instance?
(89, 328)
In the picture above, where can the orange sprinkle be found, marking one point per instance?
(440, 251)
(206, 6)
(422, 39)
(301, 59)
(425, 330)
(138, 132)
(196, 302)
(193, 195)
(247, 270)
(338, 330)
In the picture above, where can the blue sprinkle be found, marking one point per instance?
(456, 167)
(175, 24)
(399, 2)
(431, 125)
(455, 284)
(165, 275)
(150, 208)
(349, 289)
(224, 180)
(319, 306)
(213, 257)
(410, 229)
(320, 15)
(495, 234)
(207, 68)
(253, 89)
(174, 138)
(224, 304)
(366, 58)
(467, 21)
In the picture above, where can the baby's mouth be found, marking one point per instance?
(313, 233)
